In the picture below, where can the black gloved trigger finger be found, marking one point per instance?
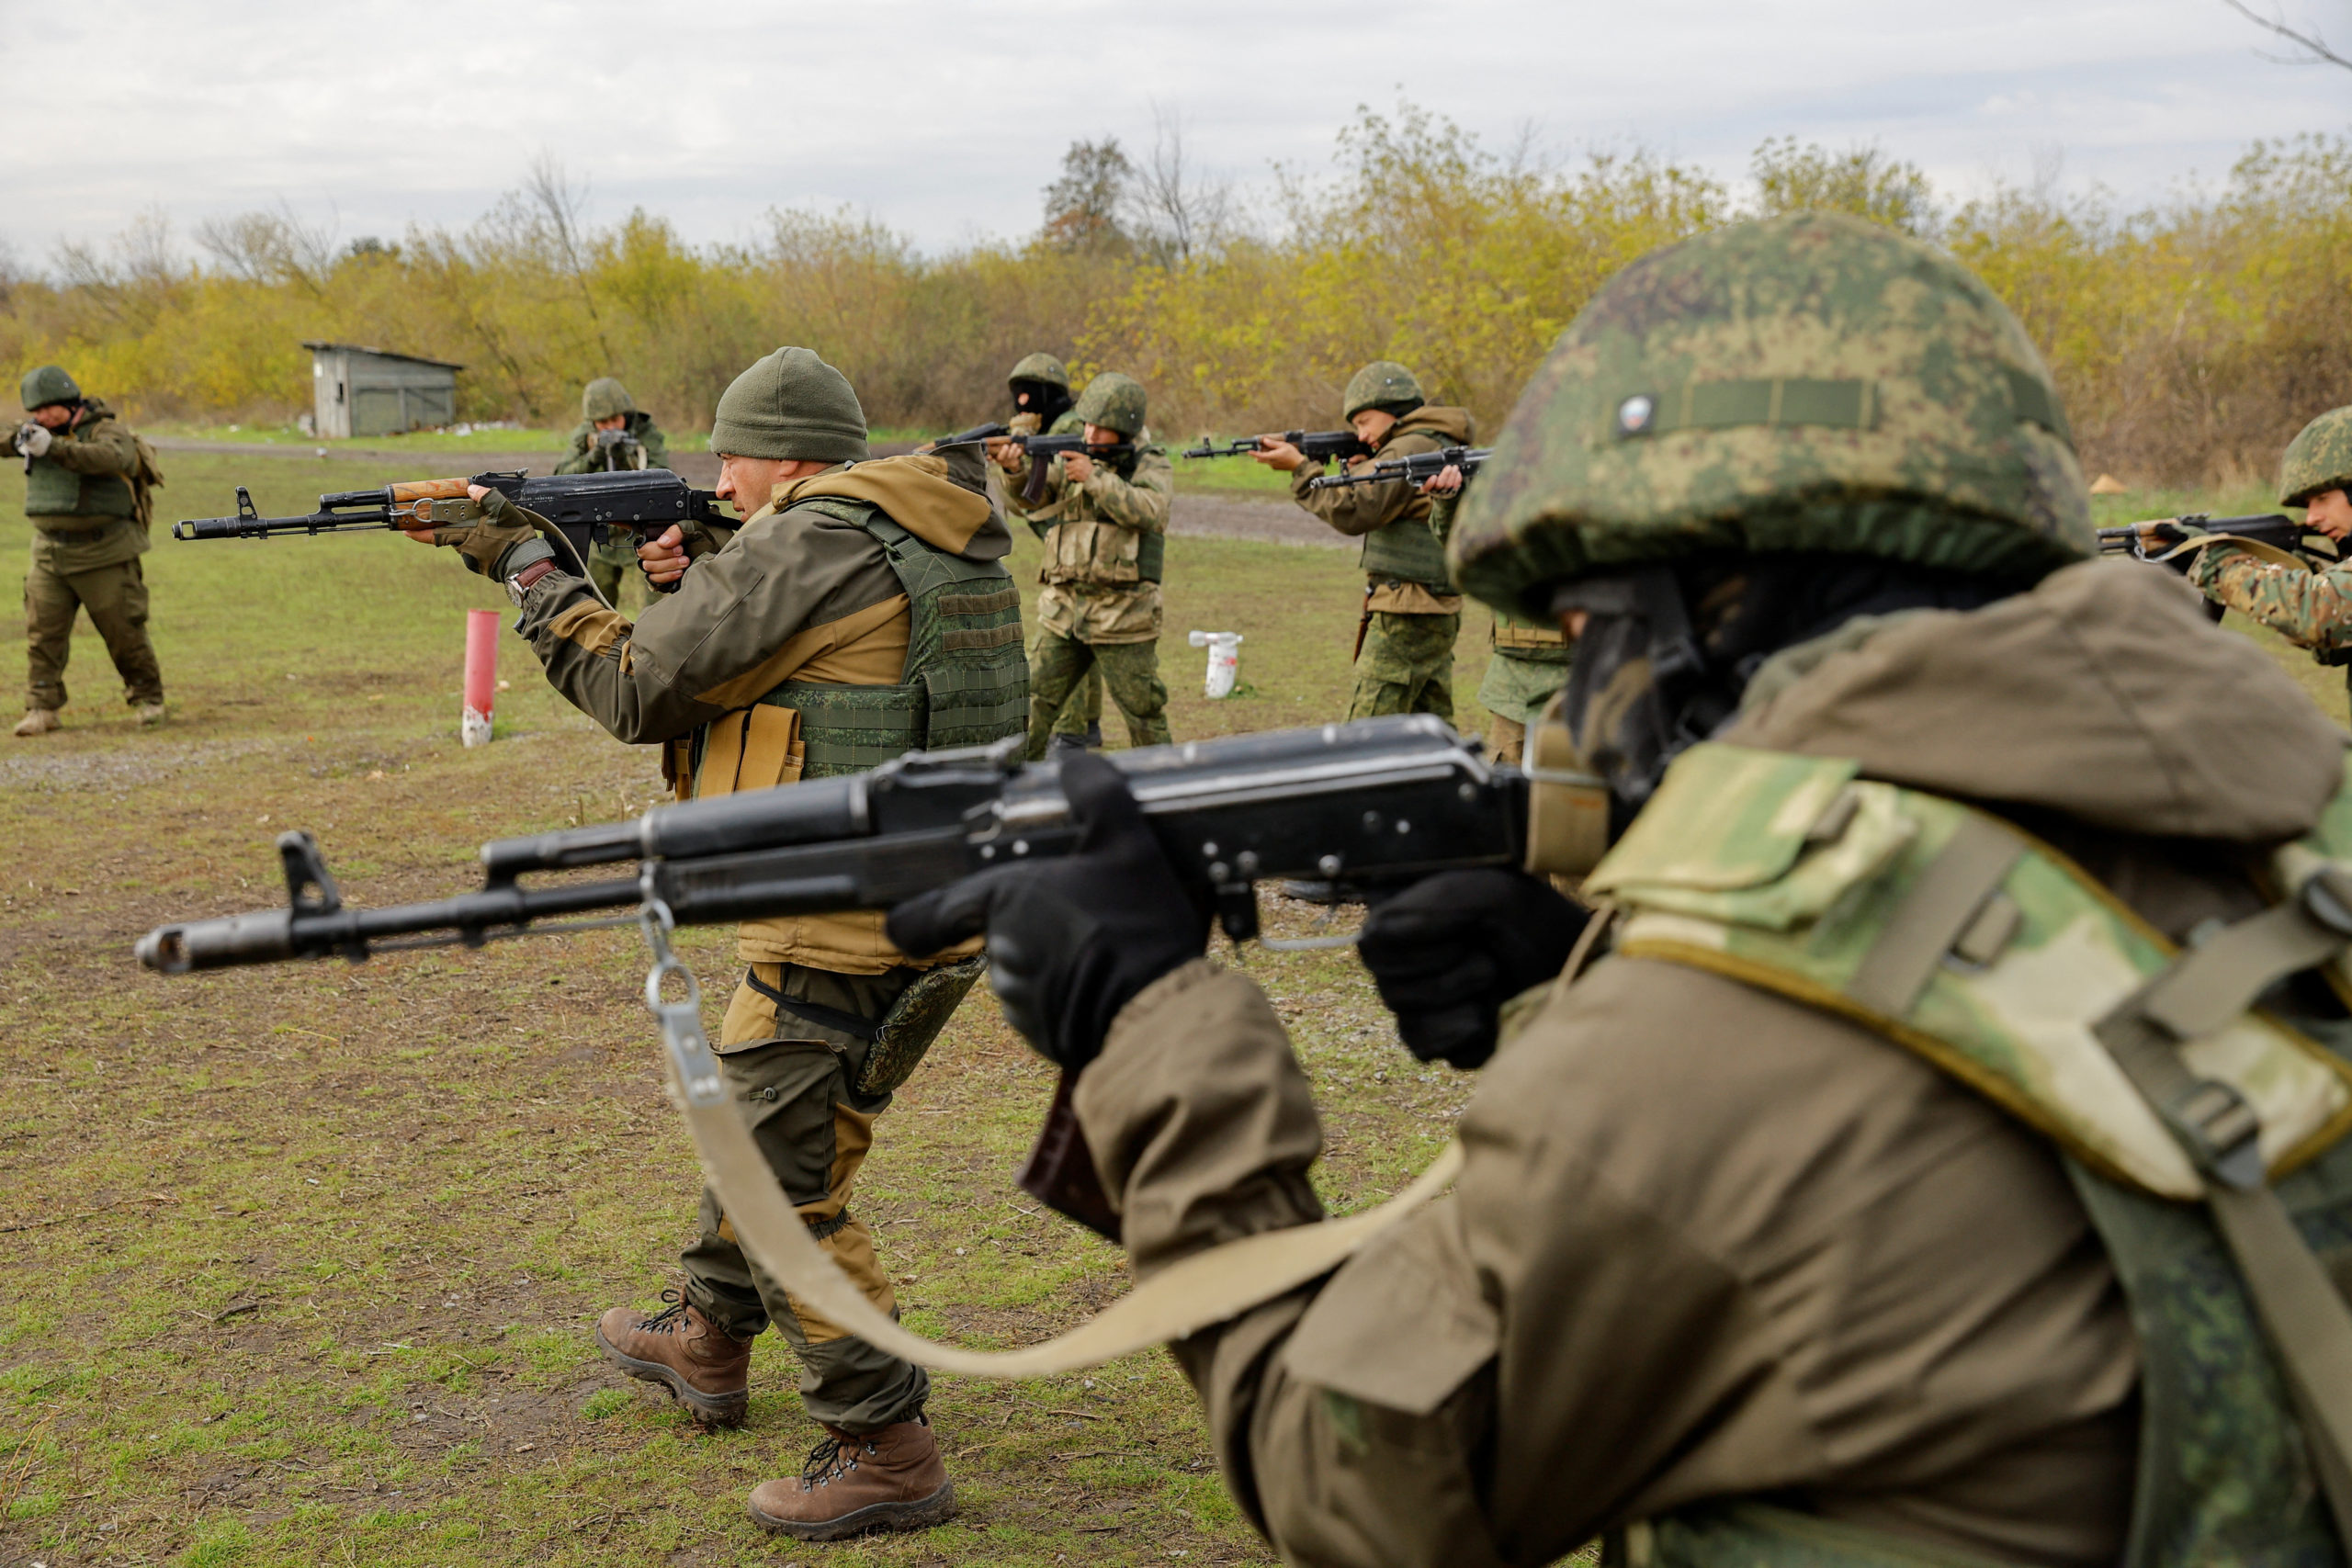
(934, 921)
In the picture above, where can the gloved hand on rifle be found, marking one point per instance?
(1449, 951)
(2152, 539)
(33, 438)
(607, 439)
(499, 544)
(1072, 940)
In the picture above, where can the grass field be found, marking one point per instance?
(301, 1261)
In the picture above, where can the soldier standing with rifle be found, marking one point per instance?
(86, 484)
(1105, 527)
(1404, 656)
(860, 612)
(613, 434)
(1786, 1232)
(1041, 406)
(2310, 606)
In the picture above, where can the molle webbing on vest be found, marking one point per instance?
(1997, 960)
(51, 490)
(1526, 638)
(1408, 551)
(965, 680)
(1151, 557)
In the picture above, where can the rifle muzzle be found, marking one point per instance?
(260, 938)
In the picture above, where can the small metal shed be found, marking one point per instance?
(368, 391)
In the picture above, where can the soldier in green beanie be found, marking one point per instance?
(87, 480)
(1105, 526)
(1941, 1154)
(613, 434)
(1411, 612)
(862, 609)
(1042, 405)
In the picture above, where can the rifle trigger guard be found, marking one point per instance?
(682, 1032)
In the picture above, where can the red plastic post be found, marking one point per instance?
(481, 676)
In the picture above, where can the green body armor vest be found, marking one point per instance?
(1996, 959)
(1408, 550)
(965, 680)
(51, 490)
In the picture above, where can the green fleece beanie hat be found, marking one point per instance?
(790, 405)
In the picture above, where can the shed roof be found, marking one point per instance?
(380, 353)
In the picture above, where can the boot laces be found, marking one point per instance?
(830, 1458)
(670, 1319)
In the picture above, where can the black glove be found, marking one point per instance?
(1072, 940)
(1449, 951)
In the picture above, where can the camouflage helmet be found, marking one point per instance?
(47, 385)
(2317, 460)
(1114, 402)
(1378, 385)
(604, 399)
(1041, 368)
(1810, 382)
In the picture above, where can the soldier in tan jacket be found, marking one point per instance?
(862, 610)
(1745, 1267)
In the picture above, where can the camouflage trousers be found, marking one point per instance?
(1084, 708)
(791, 1075)
(1131, 671)
(116, 597)
(612, 568)
(1406, 666)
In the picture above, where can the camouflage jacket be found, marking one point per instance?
(2309, 608)
(587, 457)
(80, 496)
(1711, 1243)
(794, 594)
(1104, 545)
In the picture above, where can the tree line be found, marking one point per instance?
(2190, 337)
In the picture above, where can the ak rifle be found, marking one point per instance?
(1041, 450)
(1318, 445)
(1418, 468)
(624, 505)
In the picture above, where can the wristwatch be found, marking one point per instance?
(520, 584)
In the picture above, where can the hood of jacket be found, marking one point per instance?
(1450, 426)
(923, 492)
(2103, 695)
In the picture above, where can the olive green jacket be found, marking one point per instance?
(97, 444)
(588, 458)
(1711, 1243)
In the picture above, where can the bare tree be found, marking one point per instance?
(272, 247)
(2314, 48)
(559, 203)
(1176, 211)
(1083, 207)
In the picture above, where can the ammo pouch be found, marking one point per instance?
(896, 1044)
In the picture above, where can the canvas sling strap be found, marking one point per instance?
(1204, 1288)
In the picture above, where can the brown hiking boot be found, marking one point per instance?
(890, 1480)
(699, 1362)
(39, 721)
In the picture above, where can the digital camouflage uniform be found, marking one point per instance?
(612, 566)
(1412, 612)
(86, 501)
(809, 646)
(1042, 375)
(2309, 605)
(1731, 1272)
(1098, 606)
(1531, 661)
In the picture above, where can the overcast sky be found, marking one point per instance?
(945, 120)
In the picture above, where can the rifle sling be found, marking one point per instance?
(1204, 1288)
